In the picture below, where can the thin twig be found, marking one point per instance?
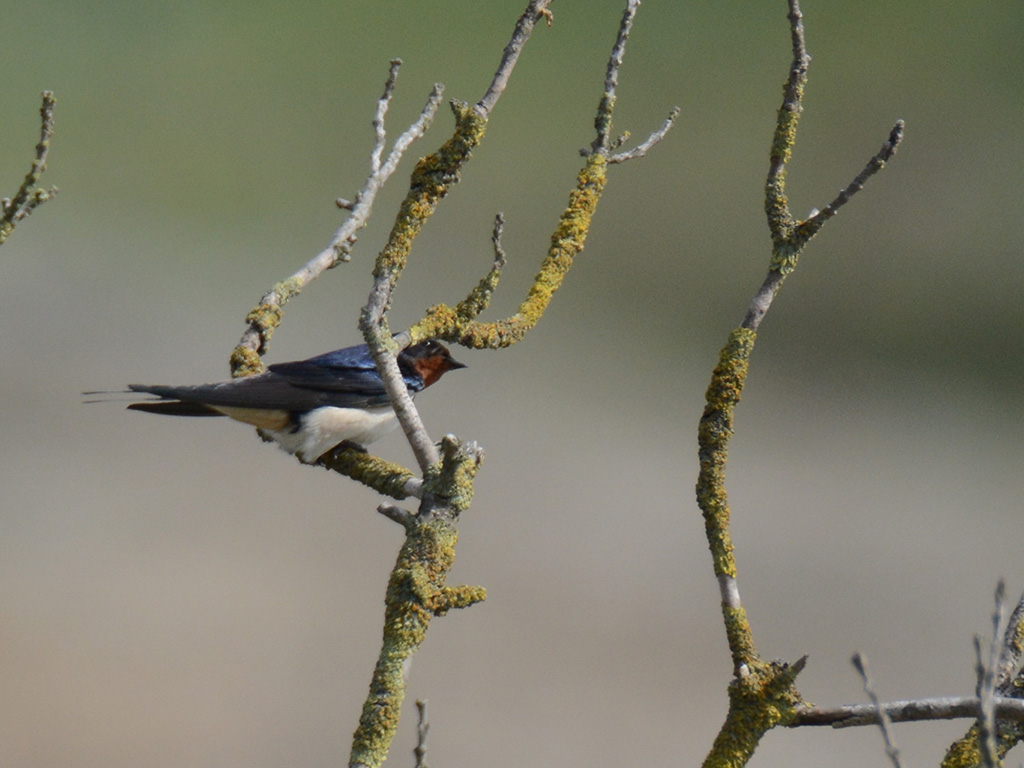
(378, 118)
(603, 144)
(643, 148)
(422, 729)
(986, 671)
(884, 722)
(808, 228)
(29, 196)
(603, 121)
(523, 29)
(740, 734)
(499, 229)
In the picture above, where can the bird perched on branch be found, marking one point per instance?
(310, 406)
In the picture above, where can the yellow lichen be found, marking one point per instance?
(416, 593)
(567, 242)
(713, 436)
(382, 476)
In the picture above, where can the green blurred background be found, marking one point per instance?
(179, 594)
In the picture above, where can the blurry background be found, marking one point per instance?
(177, 593)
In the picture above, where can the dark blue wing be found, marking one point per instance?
(344, 370)
(267, 391)
(345, 378)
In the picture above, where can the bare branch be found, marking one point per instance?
(524, 28)
(603, 121)
(943, 708)
(642, 149)
(762, 300)
(408, 416)
(403, 517)
(422, 729)
(986, 671)
(884, 723)
(378, 118)
(807, 229)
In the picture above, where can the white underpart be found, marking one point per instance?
(323, 428)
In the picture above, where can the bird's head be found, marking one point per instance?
(429, 360)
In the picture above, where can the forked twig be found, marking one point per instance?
(763, 694)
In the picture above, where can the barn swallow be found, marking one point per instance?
(310, 406)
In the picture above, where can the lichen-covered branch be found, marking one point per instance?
(417, 592)
(780, 220)
(769, 696)
(388, 479)
(713, 435)
(758, 701)
(788, 239)
(458, 326)
(29, 196)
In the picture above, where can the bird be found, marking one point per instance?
(309, 407)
